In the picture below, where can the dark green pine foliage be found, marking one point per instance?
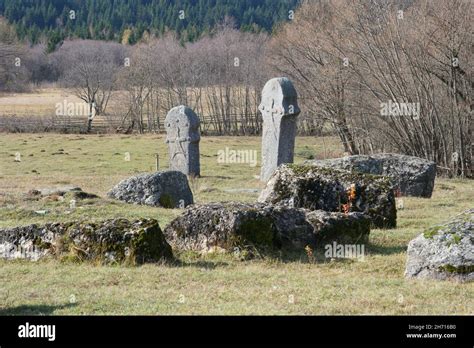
(107, 19)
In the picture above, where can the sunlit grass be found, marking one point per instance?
(216, 284)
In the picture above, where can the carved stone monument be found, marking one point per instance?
(182, 137)
(279, 108)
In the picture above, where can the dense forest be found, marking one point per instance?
(128, 21)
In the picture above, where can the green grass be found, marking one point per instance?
(215, 284)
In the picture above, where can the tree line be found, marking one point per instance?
(130, 21)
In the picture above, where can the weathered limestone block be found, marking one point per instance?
(279, 108)
(413, 176)
(182, 137)
(444, 251)
(333, 190)
(226, 226)
(109, 241)
(167, 189)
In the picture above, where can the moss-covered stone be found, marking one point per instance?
(166, 201)
(262, 228)
(413, 176)
(109, 241)
(258, 231)
(431, 232)
(444, 251)
(328, 189)
(222, 226)
(458, 269)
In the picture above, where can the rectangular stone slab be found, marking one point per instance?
(317, 188)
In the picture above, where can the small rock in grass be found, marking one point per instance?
(167, 189)
(51, 193)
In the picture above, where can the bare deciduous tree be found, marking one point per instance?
(91, 68)
(351, 58)
(219, 77)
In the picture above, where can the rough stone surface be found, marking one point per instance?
(413, 176)
(444, 251)
(279, 108)
(350, 228)
(168, 189)
(226, 226)
(315, 188)
(182, 137)
(109, 241)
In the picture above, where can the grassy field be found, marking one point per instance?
(215, 284)
(43, 101)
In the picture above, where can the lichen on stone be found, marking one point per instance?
(108, 241)
(314, 188)
(261, 228)
(444, 251)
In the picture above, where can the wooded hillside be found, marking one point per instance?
(131, 20)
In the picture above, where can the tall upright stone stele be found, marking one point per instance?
(182, 137)
(279, 108)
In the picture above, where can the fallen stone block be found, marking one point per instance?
(226, 226)
(316, 188)
(413, 176)
(109, 241)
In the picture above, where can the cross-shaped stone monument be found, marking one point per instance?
(182, 137)
(279, 108)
